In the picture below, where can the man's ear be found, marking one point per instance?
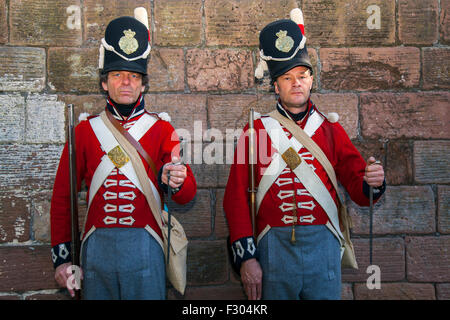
(276, 88)
(105, 86)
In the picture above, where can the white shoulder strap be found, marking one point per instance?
(141, 126)
(277, 164)
(109, 142)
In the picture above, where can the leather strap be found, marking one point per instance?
(133, 142)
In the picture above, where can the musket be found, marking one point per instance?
(251, 168)
(73, 195)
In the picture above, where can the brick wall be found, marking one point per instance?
(382, 65)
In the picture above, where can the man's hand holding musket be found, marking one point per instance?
(62, 275)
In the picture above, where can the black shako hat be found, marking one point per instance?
(126, 44)
(282, 46)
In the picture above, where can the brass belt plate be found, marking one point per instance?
(118, 156)
(291, 158)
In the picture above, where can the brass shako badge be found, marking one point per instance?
(284, 43)
(128, 43)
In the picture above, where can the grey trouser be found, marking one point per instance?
(123, 263)
(310, 269)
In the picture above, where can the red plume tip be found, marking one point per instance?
(302, 28)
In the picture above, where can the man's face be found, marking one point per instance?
(294, 88)
(124, 87)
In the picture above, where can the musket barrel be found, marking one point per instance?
(73, 192)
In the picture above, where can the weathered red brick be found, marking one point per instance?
(399, 163)
(195, 217)
(266, 103)
(346, 105)
(98, 13)
(26, 268)
(347, 291)
(171, 30)
(44, 129)
(46, 22)
(231, 111)
(205, 175)
(431, 161)
(90, 104)
(418, 21)
(219, 70)
(427, 259)
(187, 112)
(405, 115)
(396, 291)
(443, 196)
(28, 167)
(365, 69)
(166, 70)
(12, 118)
(402, 209)
(22, 69)
(207, 263)
(14, 218)
(220, 221)
(73, 69)
(436, 68)
(371, 148)
(445, 22)
(388, 254)
(40, 213)
(443, 291)
(210, 175)
(237, 23)
(314, 57)
(345, 22)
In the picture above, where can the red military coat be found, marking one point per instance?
(118, 202)
(276, 208)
